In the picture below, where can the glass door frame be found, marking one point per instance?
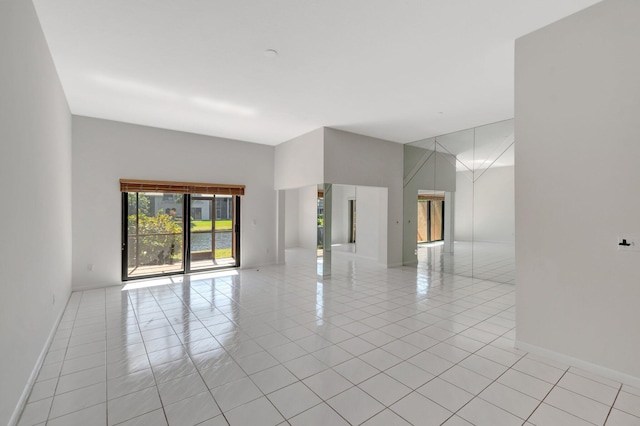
(186, 239)
(235, 232)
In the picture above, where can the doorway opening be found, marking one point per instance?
(160, 239)
(352, 221)
(430, 218)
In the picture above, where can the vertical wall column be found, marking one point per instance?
(280, 225)
(449, 218)
(325, 194)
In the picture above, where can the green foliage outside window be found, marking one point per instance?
(160, 239)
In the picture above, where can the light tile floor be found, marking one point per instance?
(273, 346)
(487, 261)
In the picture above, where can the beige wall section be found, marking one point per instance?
(35, 162)
(300, 161)
(577, 176)
(105, 151)
(352, 159)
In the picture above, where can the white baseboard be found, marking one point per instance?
(97, 287)
(608, 373)
(17, 412)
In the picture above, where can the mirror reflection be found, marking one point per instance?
(324, 213)
(459, 213)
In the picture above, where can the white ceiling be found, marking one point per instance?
(398, 70)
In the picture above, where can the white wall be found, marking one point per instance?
(485, 211)
(494, 206)
(577, 179)
(340, 213)
(464, 207)
(35, 163)
(299, 162)
(291, 235)
(308, 217)
(353, 159)
(370, 221)
(105, 151)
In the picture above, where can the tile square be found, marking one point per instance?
(83, 363)
(332, 355)
(293, 399)
(483, 366)
(355, 405)
(466, 379)
(385, 389)
(356, 370)
(256, 362)
(356, 346)
(305, 366)
(431, 363)
(327, 384)
(287, 352)
(628, 403)
(133, 405)
(526, 384)
(377, 338)
(222, 374)
(183, 387)
(418, 410)
(509, 400)
(320, 415)
(589, 388)
(409, 375)
(578, 405)
(539, 370)
(547, 415)
(81, 379)
(78, 399)
(193, 410)
(498, 355)
(444, 393)
(128, 384)
(620, 418)
(91, 416)
(234, 394)
(457, 421)
(43, 390)
(449, 352)
(155, 418)
(257, 412)
(273, 378)
(380, 359)
(386, 418)
(481, 413)
(171, 370)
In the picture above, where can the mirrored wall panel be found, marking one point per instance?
(324, 214)
(459, 213)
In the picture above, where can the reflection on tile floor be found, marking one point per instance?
(482, 260)
(273, 346)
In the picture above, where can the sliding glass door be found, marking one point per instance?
(213, 237)
(160, 239)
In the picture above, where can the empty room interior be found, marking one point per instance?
(320, 212)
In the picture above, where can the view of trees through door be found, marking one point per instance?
(160, 239)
